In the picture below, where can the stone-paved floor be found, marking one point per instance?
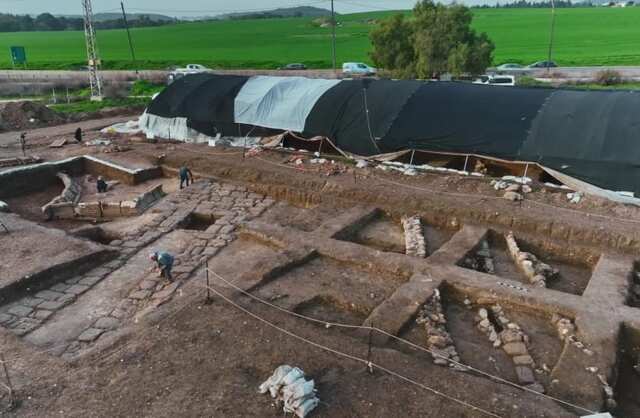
(229, 205)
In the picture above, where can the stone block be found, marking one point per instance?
(515, 349)
(20, 310)
(525, 360)
(24, 325)
(77, 289)
(525, 375)
(48, 295)
(90, 335)
(32, 302)
(510, 336)
(42, 314)
(6, 318)
(107, 322)
(52, 305)
(60, 287)
(147, 284)
(90, 280)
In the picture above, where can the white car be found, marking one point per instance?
(189, 69)
(496, 80)
(358, 68)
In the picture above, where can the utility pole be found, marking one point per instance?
(126, 25)
(551, 32)
(92, 52)
(333, 37)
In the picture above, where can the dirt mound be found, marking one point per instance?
(26, 115)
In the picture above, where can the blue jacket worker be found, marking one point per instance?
(185, 176)
(164, 263)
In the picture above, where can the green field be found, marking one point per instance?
(584, 36)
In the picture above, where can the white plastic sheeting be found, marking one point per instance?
(170, 128)
(279, 102)
(288, 385)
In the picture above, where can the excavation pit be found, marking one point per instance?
(198, 222)
(330, 310)
(627, 387)
(356, 289)
(385, 233)
(574, 264)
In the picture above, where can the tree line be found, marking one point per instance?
(49, 22)
(523, 4)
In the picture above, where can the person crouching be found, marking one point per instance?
(164, 263)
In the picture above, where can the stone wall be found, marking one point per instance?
(124, 208)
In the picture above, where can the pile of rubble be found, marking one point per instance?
(514, 187)
(288, 386)
(536, 271)
(481, 260)
(415, 244)
(609, 395)
(16, 116)
(512, 340)
(439, 342)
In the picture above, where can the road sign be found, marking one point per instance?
(18, 55)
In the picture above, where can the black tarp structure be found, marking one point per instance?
(593, 136)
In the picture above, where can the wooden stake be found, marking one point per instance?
(206, 269)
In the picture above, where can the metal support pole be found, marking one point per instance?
(526, 168)
(466, 161)
(551, 32)
(320, 147)
(333, 36)
(126, 25)
(413, 153)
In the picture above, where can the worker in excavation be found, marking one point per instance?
(185, 175)
(101, 185)
(78, 135)
(164, 263)
(23, 143)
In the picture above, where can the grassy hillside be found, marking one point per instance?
(589, 36)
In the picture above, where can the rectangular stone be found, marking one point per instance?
(90, 280)
(73, 280)
(525, 360)
(77, 289)
(48, 295)
(20, 310)
(147, 284)
(90, 335)
(6, 318)
(42, 314)
(60, 287)
(52, 305)
(32, 302)
(525, 375)
(515, 349)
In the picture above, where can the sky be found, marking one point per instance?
(184, 8)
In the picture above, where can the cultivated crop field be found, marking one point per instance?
(584, 36)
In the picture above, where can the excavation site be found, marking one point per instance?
(160, 267)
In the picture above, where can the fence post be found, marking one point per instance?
(7, 377)
(206, 269)
(369, 366)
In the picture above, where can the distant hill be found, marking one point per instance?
(301, 11)
(105, 17)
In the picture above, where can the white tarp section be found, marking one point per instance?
(170, 128)
(279, 102)
(591, 189)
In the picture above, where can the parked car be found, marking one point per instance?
(496, 80)
(543, 64)
(189, 69)
(511, 67)
(294, 66)
(358, 68)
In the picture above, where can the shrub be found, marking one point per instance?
(608, 78)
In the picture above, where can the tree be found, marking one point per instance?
(437, 39)
(396, 53)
